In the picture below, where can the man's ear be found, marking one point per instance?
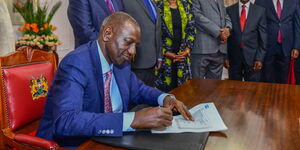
(107, 34)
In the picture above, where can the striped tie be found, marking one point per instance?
(110, 6)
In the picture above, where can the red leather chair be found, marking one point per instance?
(25, 79)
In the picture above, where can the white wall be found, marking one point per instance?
(64, 30)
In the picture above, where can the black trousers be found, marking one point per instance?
(297, 71)
(240, 70)
(276, 66)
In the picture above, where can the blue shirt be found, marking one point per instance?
(115, 96)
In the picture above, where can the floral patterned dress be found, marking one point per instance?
(168, 77)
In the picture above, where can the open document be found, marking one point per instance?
(206, 117)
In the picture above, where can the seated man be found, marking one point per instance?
(94, 87)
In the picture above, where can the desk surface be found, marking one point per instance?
(259, 116)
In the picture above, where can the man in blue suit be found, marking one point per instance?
(283, 28)
(94, 87)
(86, 16)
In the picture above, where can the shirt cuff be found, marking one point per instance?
(127, 120)
(161, 98)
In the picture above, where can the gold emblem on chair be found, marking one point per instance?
(39, 87)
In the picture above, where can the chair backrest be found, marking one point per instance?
(26, 76)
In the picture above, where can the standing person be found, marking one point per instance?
(86, 16)
(94, 87)
(247, 42)
(148, 56)
(178, 33)
(213, 28)
(7, 40)
(283, 28)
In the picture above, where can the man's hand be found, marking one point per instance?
(224, 34)
(173, 104)
(226, 64)
(152, 118)
(295, 54)
(257, 66)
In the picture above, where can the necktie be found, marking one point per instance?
(243, 17)
(110, 6)
(107, 100)
(148, 3)
(279, 37)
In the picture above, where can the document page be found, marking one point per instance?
(207, 118)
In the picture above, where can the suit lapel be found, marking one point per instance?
(286, 6)
(214, 5)
(98, 70)
(103, 5)
(141, 2)
(119, 76)
(236, 16)
(219, 7)
(273, 8)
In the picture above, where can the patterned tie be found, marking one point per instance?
(279, 37)
(107, 100)
(110, 6)
(243, 17)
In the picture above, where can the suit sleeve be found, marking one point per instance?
(297, 27)
(80, 17)
(262, 37)
(141, 93)
(67, 95)
(228, 22)
(203, 22)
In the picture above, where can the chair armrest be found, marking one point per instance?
(36, 141)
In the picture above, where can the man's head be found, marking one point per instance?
(119, 36)
(244, 1)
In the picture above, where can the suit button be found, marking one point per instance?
(99, 132)
(107, 132)
(103, 131)
(112, 131)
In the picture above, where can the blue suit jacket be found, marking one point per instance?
(289, 22)
(86, 17)
(75, 103)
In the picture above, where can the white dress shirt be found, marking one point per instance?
(275, 4)
(247, 8)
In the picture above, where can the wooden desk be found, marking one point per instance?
(259, 116)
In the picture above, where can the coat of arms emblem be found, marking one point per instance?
(39, 87)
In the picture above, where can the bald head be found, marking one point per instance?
(116, 21)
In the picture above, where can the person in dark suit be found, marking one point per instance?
(86, 16)
(148, 55)
(248, 41)
(283, 28)
(94, 87)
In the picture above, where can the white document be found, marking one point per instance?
(206, 118)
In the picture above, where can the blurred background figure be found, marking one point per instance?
(178, 33)
(213, 28)
(248, 41)
(7, 40)
(283, 28)
(86, 16)
(148, 53)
